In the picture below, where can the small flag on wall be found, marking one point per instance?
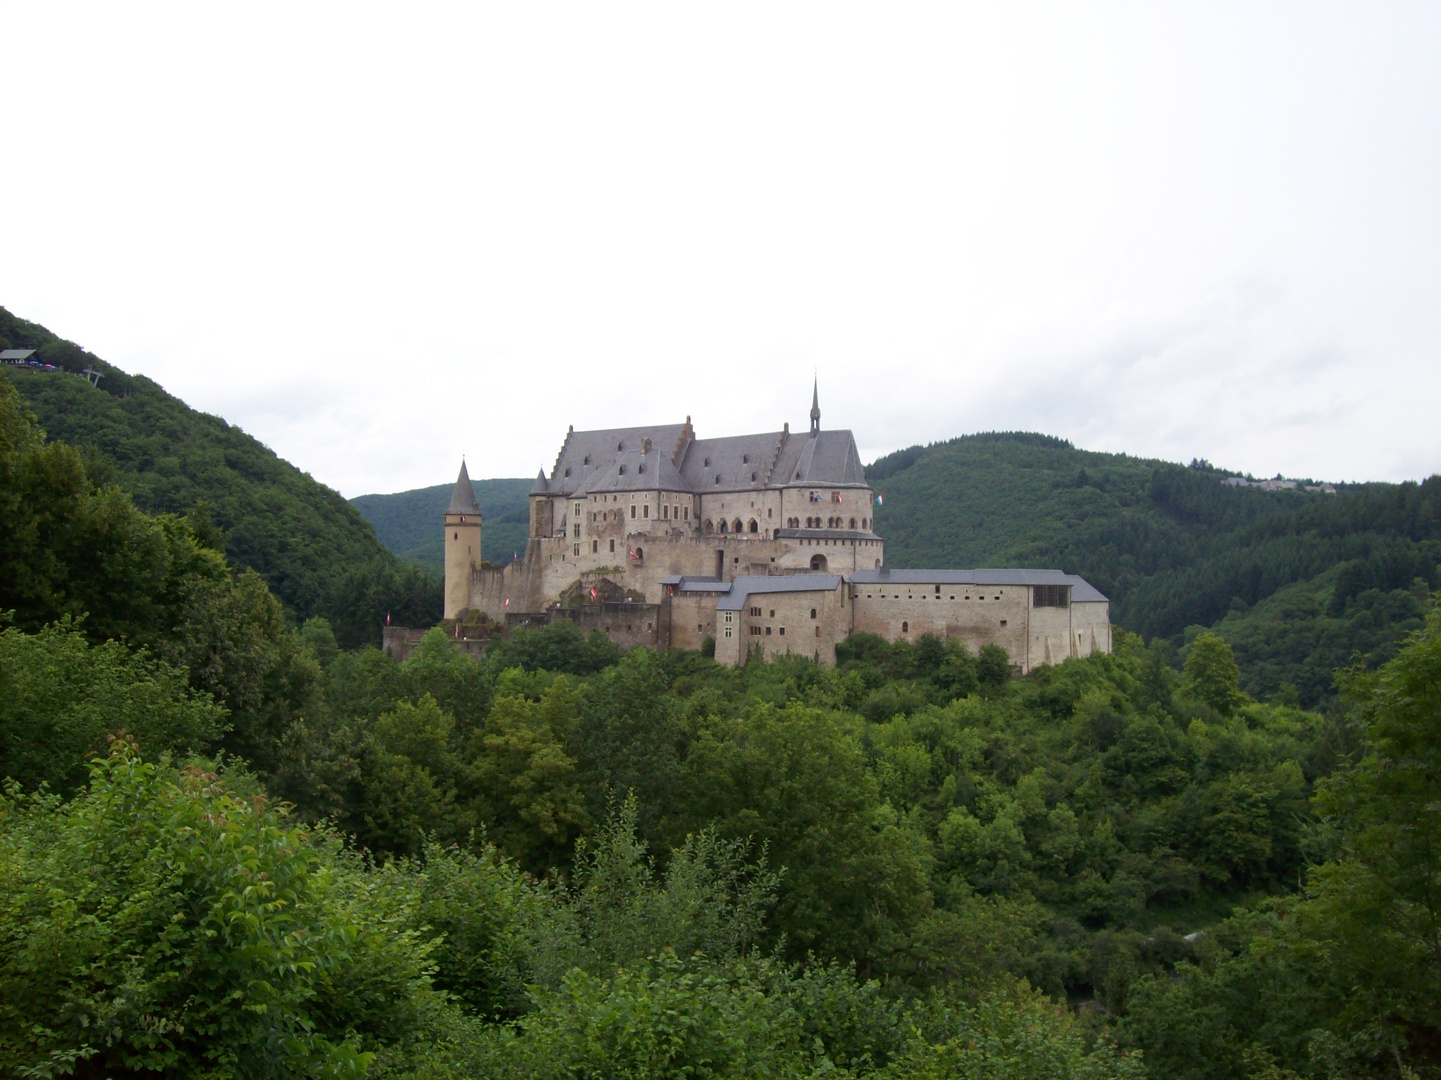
(594, 594)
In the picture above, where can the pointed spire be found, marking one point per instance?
(462, 499)
(540, 487)
(816, 406)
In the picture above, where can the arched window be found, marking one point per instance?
(708, 527)
(753, 526)
(864, 524)
(724, 528)
(737, 526)
(905, 628)
(853, 523)
(818, 562)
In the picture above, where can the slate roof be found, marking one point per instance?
(825, 457)
(610, 460)
(634, 470)
(685, 583)
(462, 496)
(16, 354)
(587, 453)
(825, 534)
(1082, 591)
(747, 585)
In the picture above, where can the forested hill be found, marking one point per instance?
(1295, 580)
(316, 552)
(408, 523)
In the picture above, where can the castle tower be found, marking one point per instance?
(816, 407)
(462, 544)
(541, 513)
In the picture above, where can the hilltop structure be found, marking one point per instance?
(765, 543)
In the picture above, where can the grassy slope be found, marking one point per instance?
(296, 532)
(408, 523)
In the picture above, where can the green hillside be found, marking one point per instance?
(316, 552)
(408, 523)
(1295, 580)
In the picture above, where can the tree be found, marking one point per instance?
(1211, 674)
(200, 934)
(60, 697)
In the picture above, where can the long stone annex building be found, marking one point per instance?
(765, 543)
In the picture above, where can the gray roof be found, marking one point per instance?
(635, 470)
(676, 460)
(587, 453)
(684, 583)
(16, 354)
(540, 487)
(826, 534)
(1082, 591)
(747, 585)
(823, 457)
(462, 496)
(734, 463)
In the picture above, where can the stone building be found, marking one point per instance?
(764, 543)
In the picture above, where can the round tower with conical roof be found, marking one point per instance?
(462, 544)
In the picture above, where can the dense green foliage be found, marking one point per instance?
(1297, 581)
(231, 847)
(408, 523)
(316, 553)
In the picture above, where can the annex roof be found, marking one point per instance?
(13, 355)
(747, 585)
(1082, 591)
(684, 583)
(825, 534)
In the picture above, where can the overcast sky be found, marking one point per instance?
(379, 238)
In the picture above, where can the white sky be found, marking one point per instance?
(380, 237)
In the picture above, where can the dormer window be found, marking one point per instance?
(587, 460)
(753, 478)
(707, 463)
(717, 478)
(619, 446)
(745, 459)
(622, 470)
(640, 468)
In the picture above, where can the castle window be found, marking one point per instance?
(853, 523)
(646, 508)
(755, 612)
(707, 463)
(737, 527)
(612, 545)
(567, 472)
(768, 631)
(632, 509)
(783, 631)
(773, 613)
(665, 512)
(745, 459)
(863, 524)
(813, 613)
(640, 468)
(457, 536)
(724, 528)
(768, 512)
(818, 631)
(753, 526)
(687, 513)
(717, 478)
(587, 460)
(1003, 622)
(620, 446)
(905, 628)
(622, 470)
(594, 546)
(577, 549)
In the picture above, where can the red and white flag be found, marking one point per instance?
(594, 595)
(507, 603)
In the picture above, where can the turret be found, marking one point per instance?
(541, 514)
(462, 544)
(816, 407)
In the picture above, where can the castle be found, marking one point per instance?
(764, 543)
